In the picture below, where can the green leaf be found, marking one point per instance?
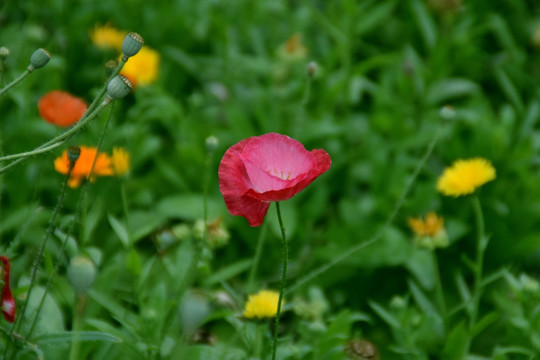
(229, 272)
(120, 230)
(67, 336)
(456, 343)
(424, 22)
(448, 89)
(388, 317)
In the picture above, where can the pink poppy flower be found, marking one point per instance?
(8, 303)
(261, 169)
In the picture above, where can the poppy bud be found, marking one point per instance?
(73, 155)
(4, 53)
(312, 69)
(8, 302)
(39, 59)
(118, 87)
(447, 113)
(81, 273)
(211, 143)
(133, 42)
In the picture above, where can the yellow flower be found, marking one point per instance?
(262, 305)
(143, 68)
(107, 36)
(430, 232)
(120, 161)
(465, 176)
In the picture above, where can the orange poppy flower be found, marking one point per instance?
(61, 108)
(83, 166)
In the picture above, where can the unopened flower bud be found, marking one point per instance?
(118, 87)
(39, 59)
(211, 143)
(4, 53)
(81, 273)
(133, 42)
(73, 154)
(447, 113)
(312, 69)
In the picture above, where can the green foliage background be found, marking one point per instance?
(385, 69)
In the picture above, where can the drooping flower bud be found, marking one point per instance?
(8, 302)
(81, 273)
(133, 42)
(4, 53)
(118, 87)
(39, 59)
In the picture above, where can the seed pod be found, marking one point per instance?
(39, 59)
(118, 87)
(81, 273)
(133, 42)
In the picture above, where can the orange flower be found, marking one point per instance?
(61, 108)
(83, 166)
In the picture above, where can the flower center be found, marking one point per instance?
(280, 174)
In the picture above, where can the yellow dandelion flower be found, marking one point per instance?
(143, 68)
(262, 305)
(120, 161)
(430, 232)
(107, 36)
(465, 176)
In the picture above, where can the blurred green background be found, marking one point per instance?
(384, 71)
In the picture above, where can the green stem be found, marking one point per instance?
(353, 249)
(38, 257)
(93, 110)
(285, 258)
(15, 82)
(80, 306)
(439, 289)
(258, 253)
(51, 279)
(58, 139)
(481, 244)
(260, 328)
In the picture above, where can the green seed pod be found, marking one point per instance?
(39, 59)
(211, 143)
(133, 42)
(81, 273)
(118, 87)
(4, 53)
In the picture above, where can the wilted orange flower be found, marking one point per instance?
(293, 49)
(107, 36)
(142, 68)
(430, 232)
(120, 161)
(83, 166)
(61, 108)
